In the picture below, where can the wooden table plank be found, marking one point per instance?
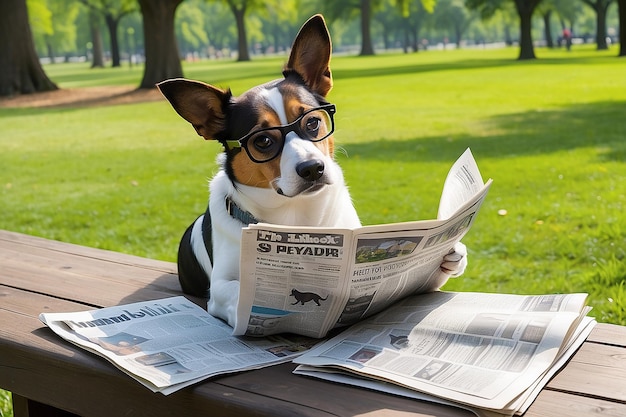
(37, 265)
(556, 404)
(591, 368)
(39, 275)
(13, 238)
(33, 352)
(609, 334)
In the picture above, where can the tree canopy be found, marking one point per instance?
(160, 33)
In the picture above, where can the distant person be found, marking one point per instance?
(567, 38)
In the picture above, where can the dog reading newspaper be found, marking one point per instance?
(490, 353)
(310, 280)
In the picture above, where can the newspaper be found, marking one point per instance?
(490, 353)
(309, 280)
(170, 343)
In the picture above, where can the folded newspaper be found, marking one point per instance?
(310, 280)
(170, 343)
(489, 353)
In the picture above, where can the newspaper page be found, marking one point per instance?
(170, 343)
(309, 280)
(488, 351)
(517, 407)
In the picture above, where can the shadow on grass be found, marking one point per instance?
(535, 132)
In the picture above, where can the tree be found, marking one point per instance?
(162, 58)
(546, 10)
(413, 14)
(190, 30)
(239, 8)
(40, 20)
(569, 13)
(525, 10)
(367, 48)
(389, 23)
(346, 10)
(221, 21)
(600, 7)
(412, 25)
(62, 39)
(96, 39)
(113, 11)
(621, 5)
(453, 15)
(280, 24)
(20, 70)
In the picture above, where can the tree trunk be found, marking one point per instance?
(385, 36)
(20, 70)
(162, 58)
(415, 38)
(277, 38)
(621, 6)
(366, 37)
(601, 24)
(547, 29)
(96, 40)
(600, 7)
(508, 40)
(525, 9)
(405, 46)
(50, 50)
(242, 39)
(112, 24)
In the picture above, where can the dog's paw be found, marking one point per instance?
(455, 262)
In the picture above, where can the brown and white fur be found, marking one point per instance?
(279, 191)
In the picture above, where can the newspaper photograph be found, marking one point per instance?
(170, 343)
(491, 351)
(310, 280)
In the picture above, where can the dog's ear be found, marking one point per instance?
(200, 104)
(310, 55)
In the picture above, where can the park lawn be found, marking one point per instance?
(549, 132)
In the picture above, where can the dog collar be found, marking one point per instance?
(238, 213)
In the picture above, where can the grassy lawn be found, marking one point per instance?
(551, 133)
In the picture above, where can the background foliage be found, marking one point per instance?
(206, 28)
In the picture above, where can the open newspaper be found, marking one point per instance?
(310, 280)
(170, 343)
(490, 353)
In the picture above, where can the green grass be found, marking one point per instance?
(551, 134)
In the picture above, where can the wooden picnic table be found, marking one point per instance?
(51, 377)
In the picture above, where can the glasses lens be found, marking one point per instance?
(265, 145)
(316, 125)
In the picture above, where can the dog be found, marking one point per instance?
(305, 297)
(277, 166)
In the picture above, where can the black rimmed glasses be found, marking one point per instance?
(265, 144)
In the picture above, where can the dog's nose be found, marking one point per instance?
(310, 170)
